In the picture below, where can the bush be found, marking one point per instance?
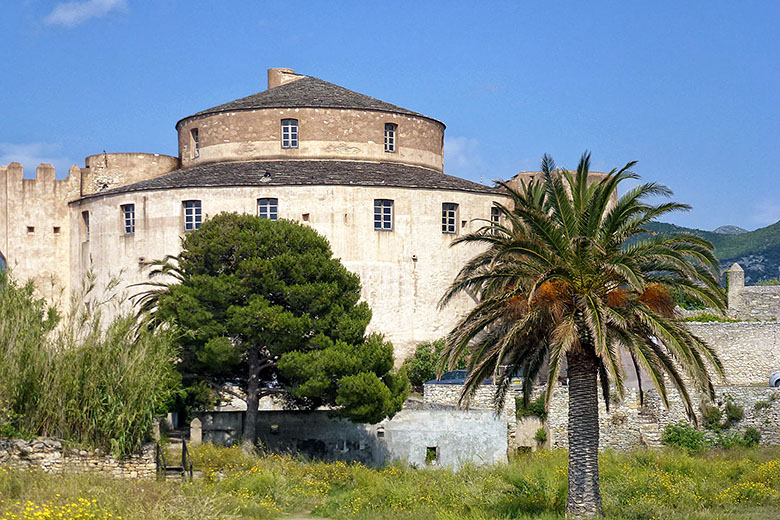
(421, 367)
(751, 437)
(712, 416)
(734, 412)
(683, 435)
(85, 382)
(541, 436)
(708, 317)
(535, 408)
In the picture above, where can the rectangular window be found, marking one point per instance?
(495, 216)
(192, 215)
(268, 208)
(449, 218)
(383, 215)
(85, 220)
(390, 129)
(128, 218)
(289, 133)
(195, 143)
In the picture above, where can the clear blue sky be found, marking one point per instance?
(689, 89)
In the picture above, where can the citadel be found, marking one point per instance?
(366, 174)
(369, 176)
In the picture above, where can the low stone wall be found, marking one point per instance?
(51, 456)
(427, 435)
(629, 425)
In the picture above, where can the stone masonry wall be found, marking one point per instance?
(51, 456)
(753, 302)
(629, 425)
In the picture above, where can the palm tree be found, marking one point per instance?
(571, 275)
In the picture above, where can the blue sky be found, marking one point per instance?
(689, 89)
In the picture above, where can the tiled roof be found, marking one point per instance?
(293, 173)
(307, 92)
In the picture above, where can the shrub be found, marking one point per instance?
(712, 416)
(708, 317)
(751, 437)
(734, 412)
(541, 436)
(97, 385)
(683, 435)
(421, 367)
(535, 408)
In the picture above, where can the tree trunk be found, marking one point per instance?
(584, 498)
(252, 398)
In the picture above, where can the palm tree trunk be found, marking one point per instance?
(584, 498)
(252, 398)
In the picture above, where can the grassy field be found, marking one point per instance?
(737, 484)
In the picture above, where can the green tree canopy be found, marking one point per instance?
(264, 303)
(558, 284)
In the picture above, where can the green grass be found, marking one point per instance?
(662, 484)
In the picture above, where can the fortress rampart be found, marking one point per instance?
(752, 302)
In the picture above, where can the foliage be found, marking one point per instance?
(751, 437)
(264, 303)
(540, 436)
(668, 484)
(712, 416)
(556, 282)
(95, 384)
(421, 366)
(683, 435)
(733, 411)
(708, 317)
(535, 408)
(769, 281)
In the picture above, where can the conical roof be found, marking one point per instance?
(308, 92)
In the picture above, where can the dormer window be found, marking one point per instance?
(195, 143)
(390, 130)
(289, 133)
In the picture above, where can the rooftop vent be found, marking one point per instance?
(278, 77)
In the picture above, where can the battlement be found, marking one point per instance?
(44, 184)
(751, 302)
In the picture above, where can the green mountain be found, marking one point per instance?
(758, 252)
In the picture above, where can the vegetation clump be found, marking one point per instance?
(421, 366)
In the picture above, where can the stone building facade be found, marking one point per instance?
(366, 174)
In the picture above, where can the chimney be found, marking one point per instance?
(278, 77)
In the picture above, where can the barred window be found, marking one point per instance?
(192, 215)
(390, 129)
(195, 143)
(289, 133)
(449, 218)
(128, 217)
(383, 215)
(268, 208)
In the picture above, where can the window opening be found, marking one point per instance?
(195, 143)
(390, 129)
(85, 219)
(192, 215)
(268, 208)
(449, 218)
(432, 455)
(289, 133)
(383, 214)
(128, 218)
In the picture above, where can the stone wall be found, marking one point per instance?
(455, 436)
(630, 425)
(51, 456)
(111, 170)
(752, 302)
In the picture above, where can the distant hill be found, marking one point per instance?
(730, 230)
(758, 252)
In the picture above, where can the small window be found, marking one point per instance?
(449, 218)
(432, 455)
(128, 218)
(268, 208)
(56, 230)
(192, 215)
(195, 143)
(85, 220)
(495, 216)
(289, 133)
(390, 129)
(383, 215)
(30, 230)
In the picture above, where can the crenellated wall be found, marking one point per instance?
(35, 226)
